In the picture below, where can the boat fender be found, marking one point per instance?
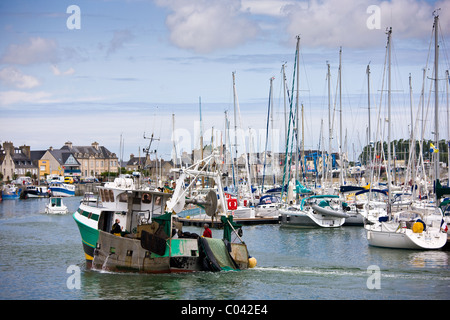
(345, 206)
(417, 227)
(324, 204)
(251, 262)
(423, 223)
(240, 232)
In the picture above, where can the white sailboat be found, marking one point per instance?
(316, 210)
(408, 229)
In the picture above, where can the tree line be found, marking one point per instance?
(400, 150)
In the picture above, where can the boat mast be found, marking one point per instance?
(368, 105)
(340, 120)
(329, 168)
(447, 79)
(436, 96)
(271, 131)
(235, 138)
(297, 196)
(389, 32)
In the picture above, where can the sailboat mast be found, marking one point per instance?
(368, 106)
(389, 121)
(340, 119)
(329, 166)
(447, 79)
(436, 95)
(297, 197)
(235, 125)
(272, 143)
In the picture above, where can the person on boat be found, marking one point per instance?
(116, 228)
(167, 189)
(207, 233)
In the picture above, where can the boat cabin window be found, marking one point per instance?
(123, 197)
(56, 202)
(106, 195)
(158, 205)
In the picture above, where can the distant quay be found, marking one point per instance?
(82, 188)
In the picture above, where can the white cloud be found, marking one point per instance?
(332, 23)
(271, 7)
(35, 50)
(208, 25)
(58, 72)
(14, 97)
(12, 77)
(205, 26)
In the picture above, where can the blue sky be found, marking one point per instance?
(134, 63)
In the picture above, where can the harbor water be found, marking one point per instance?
(40, 256)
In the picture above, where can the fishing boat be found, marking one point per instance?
(409, 229)
(148, 237)
(35, 192)
(56, 206)
(61, 189)
(89, 198)
(11, 192)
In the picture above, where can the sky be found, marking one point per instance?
(121, 70)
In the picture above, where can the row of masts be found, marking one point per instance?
(294, 120)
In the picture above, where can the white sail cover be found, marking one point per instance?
(177, 202)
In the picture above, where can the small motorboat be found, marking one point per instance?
(56, 206)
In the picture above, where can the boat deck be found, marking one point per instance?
(218, 223)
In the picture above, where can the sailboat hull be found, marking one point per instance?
(309, 220)
(406, 239)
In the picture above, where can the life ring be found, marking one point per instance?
(232, 204)
(146, 198)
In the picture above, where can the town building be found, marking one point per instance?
(74, 161)
(16, 162)
(93, 160)
(58, 162)
(137, 163)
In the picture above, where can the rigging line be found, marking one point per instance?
(334, 105)
(267, 139)
(289, 127)
(445, 50)
(378, 130)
